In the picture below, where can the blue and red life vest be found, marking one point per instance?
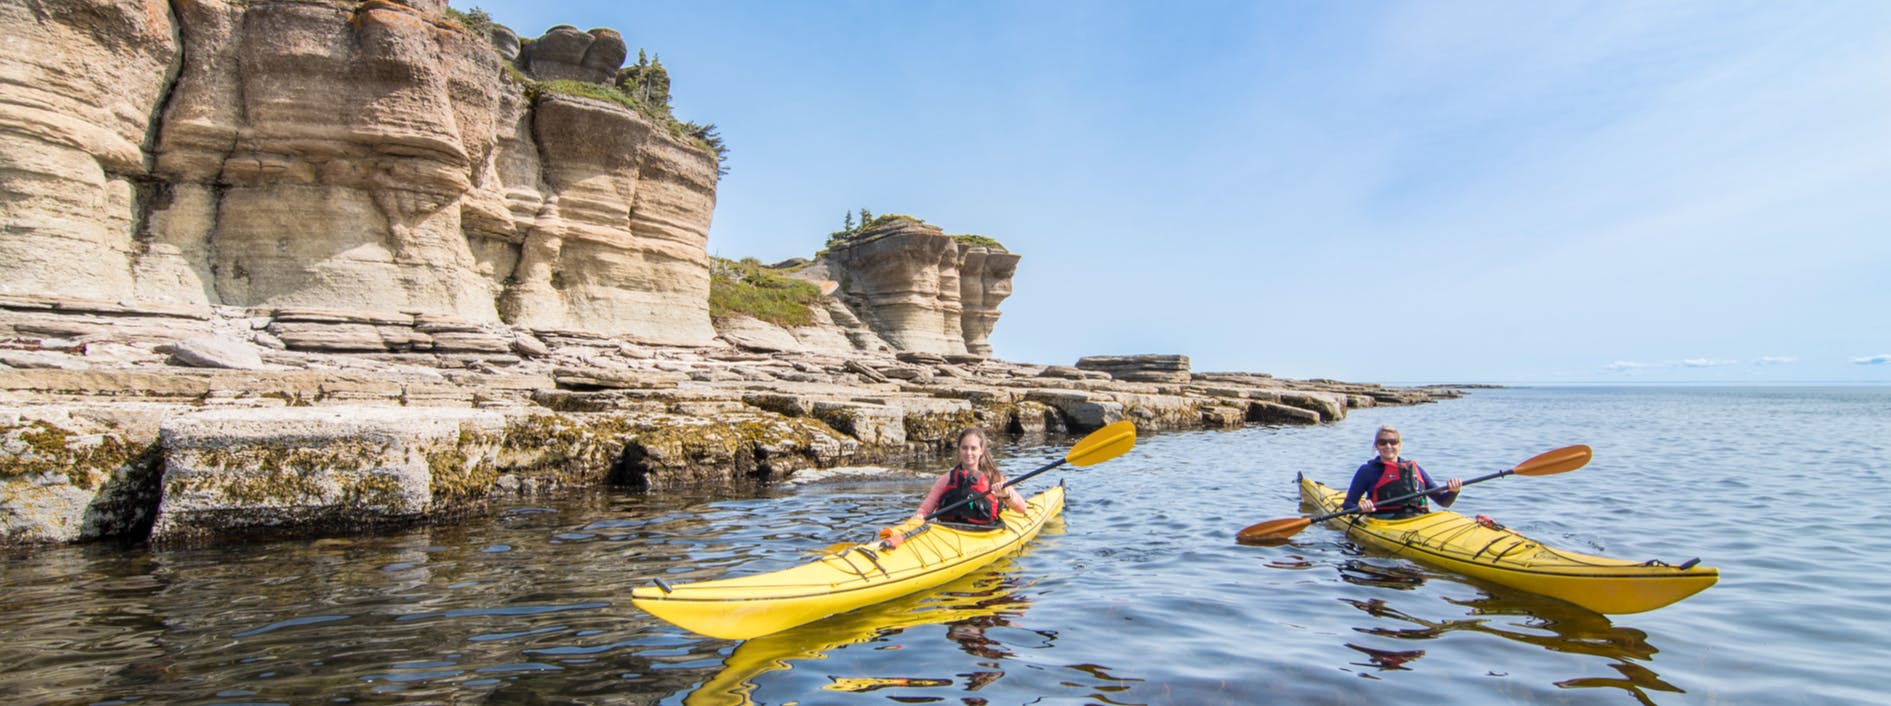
(1397, 480)
(982, 507)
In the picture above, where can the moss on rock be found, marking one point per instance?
(938, 428)
(463, 473)
(42, 448)
(564, 449)
(273, 475)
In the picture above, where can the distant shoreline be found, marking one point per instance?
(1652, 383)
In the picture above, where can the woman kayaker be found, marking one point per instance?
(977, 478)
(1388, 477)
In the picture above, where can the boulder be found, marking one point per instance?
(319, 470)
(214, 353)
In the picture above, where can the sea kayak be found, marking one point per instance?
(861, 575)
(982, 597)
(1459, 544)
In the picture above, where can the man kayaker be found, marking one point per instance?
(975, 477)
(1388, 477)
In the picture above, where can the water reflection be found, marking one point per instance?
(1111, 682)
(1636, 681)
(857, 685)
(1386, 659)
(1577, 630)
(1144, 601)
(968, 607)
(1514, 615)
(1392, 576)
(1543, 622)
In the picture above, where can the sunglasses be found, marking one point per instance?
(1386, 442)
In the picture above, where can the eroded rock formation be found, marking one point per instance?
(166, 424)
(920, 289)
(277, 265)
(81, 82)
(370, 157)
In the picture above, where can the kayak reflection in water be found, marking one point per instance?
(970, 634)
(1388, 477)
(974, 491)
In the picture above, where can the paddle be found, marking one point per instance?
(1561, 460)
(1101, 445)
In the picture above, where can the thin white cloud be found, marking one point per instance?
(1629, 366)
(1775, 360)
(1879, 359)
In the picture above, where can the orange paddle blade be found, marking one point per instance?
(1561, 460)
(1272, 531)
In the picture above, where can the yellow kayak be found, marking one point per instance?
(977, 596)
(1456, 543)
(861, 575)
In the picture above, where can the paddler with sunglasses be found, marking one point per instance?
(1388, 476)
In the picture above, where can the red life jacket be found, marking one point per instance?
(1396, 480)
(981, 509)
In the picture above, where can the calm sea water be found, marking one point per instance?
(1140, 595)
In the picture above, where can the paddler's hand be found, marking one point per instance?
(1365, 505)
(1454, 484)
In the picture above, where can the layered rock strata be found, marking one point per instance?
(372, 158)
(919, 289)
(309, 267)
(110, 426)
(1139, 368)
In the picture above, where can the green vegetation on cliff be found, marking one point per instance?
(589, 90)
(646, 82)
(749, 288)
(703, 135)
(475, 20)
(850, 230)
(971, 240)
(643, 87)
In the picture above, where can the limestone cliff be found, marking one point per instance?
(273, 264)
(920, 289)
(370, 157)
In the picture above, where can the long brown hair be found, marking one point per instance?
(986, 465)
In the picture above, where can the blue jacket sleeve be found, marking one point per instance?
(1362, 484)
(1446, 498)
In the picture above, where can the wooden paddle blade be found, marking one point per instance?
(1272, 531)
(1561, 460)
(1103, 444)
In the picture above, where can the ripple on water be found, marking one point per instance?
(1141, 598)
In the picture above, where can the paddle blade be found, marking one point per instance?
(1103, 444)
(1272, 531)
(1561, 460)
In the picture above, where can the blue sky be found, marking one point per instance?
(1386, 192)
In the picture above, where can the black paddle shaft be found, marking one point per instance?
(1409, 496)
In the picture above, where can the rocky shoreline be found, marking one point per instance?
(187, 425)
(307, 268)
